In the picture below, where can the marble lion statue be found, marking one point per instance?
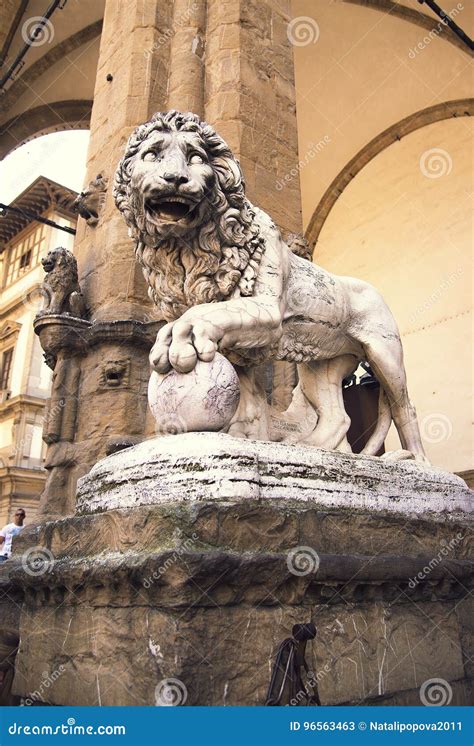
(223, 279)
(60, 289)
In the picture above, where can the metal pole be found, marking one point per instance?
(32, 36)
(449, 22)
(38, 218)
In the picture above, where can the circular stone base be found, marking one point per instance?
(215, 466)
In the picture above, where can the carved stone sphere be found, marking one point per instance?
(203, 400)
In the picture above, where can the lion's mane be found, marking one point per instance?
(64, 273)
(215, 261)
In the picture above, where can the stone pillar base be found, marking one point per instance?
(192, 556)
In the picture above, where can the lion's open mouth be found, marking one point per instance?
(169, 209)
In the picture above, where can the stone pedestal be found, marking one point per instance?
(190, 557)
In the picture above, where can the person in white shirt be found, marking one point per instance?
(8, 532)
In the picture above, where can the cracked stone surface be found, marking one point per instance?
(204, 399)
(215, 466)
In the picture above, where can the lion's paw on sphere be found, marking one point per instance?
(204, 399)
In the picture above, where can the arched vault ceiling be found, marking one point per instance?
(60, 115)
(447, 110)
(35, 71)
(417, 17)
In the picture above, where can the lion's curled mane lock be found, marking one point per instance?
(215, 260)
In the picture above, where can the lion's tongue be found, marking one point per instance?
(172, 210)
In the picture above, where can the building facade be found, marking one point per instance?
(25, 379)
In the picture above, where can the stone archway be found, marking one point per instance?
(446, 110)
(54, 117)
(416, 17)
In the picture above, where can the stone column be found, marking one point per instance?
(131, 83)
(231, 62)
(186, 79)
(250, 98)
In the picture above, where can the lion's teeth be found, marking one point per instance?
(157, 203)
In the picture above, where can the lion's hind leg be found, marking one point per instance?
(321, 383)
(386, 360)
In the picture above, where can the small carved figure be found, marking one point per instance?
(224, 279)
(287, 686)
(90, 201)
(61, 291)
(115, 374)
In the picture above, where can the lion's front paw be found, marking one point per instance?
(159, 353)
(181, 343)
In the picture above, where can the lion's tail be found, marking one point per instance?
(384, 420)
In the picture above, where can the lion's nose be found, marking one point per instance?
(175, 177)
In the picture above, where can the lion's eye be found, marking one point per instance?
(150, 156)
(195, 158)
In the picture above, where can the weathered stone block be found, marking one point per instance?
(201, 585)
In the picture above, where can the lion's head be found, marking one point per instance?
(61, 260)
(181, 192)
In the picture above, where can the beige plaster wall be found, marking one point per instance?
(404, 225)
(356, 76)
